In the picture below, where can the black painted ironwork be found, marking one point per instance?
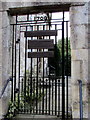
(40, 78)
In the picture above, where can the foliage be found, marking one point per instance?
(67, 69)
(27, 100)
(56, 62)
(13, 107)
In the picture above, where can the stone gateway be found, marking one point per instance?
(79, 13)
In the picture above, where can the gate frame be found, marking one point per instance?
(63, 78)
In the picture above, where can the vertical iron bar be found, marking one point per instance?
(22, 85)
(28, 17)
(22, 90)
(12, 63)
(43, 79)
(37, 89)
(43, 89)
(40, 96)
(19, 72)
(55, 79)
(55, 36)
(46, 95)
(59, 97)
(63, 80)
(67, 66)
(19, 77)
(49, 92)
(37, 82)
(52, 94)
(49, 86)
(28, 91)
(31, 83)
(15, 61)
(55, 96)
(25, 72)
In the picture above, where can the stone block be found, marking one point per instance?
(5, 18)
(89, 12)
(79, 36)
(80, 70)
(79, 54)
(79, 15)
(89, 70)
(0, 20)
(6, 37)
(76, 71)
(84, 72)
(0, 6)
(75, 92)
(8, 4)
(76, 101)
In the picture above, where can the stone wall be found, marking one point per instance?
(89, 59)
(79, 50)
(4, 57)
(79, 45)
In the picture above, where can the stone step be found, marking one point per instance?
(35, 117)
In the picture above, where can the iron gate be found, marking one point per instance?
(40, 64)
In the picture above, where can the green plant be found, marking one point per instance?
(56, 61)
(59, 45)
(13, 107)
(26, 99)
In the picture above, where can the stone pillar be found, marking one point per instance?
(0, 57)
(89, 59)
(4, 58)
(80, 61)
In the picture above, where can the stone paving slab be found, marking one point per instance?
(35, 117)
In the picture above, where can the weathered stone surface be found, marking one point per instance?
(0, 5)
(76, 70)
(78, 73)
(79, 36)
(80, 54)
(80, 57)
(46, 1)
(79, 15)
(4, 58)
(79, 42)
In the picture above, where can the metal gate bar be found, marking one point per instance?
(67, 66)
(63, 81)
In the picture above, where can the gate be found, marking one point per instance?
(40, 64)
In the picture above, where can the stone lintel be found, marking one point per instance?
(44, 7)
(38, 9)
